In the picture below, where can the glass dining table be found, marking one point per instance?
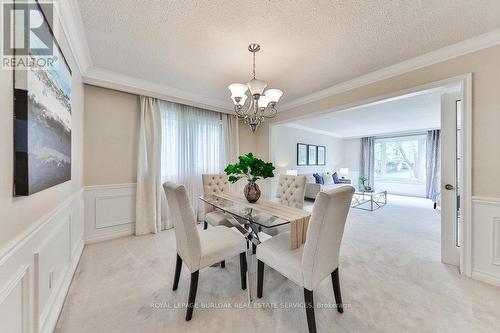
(250, 222)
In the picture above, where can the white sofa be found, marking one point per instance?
(312, 189)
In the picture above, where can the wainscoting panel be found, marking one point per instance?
(109, 211)
(37, 268)
(486, 239)
(15, 303)
(52, 261)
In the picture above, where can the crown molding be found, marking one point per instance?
(108, 79)
(71, 21)
(449, 52)
(312, 129)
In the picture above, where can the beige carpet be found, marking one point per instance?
(391, 279)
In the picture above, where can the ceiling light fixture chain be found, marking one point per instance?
(262, 103)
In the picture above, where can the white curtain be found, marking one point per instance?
(149, 186)
(433, 165)
(368, 160)
(193, 144)
(231, 138)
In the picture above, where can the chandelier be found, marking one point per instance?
(262, 103)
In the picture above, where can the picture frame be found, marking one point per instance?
(301, 154)
(321, 155)
(312, 155)
(42, 122)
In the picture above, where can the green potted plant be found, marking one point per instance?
(362, 180)
(252, 168)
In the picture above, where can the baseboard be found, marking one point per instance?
(108, 236)
(60, 297)
(486, 277)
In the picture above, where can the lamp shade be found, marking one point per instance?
(273, 95)
(263, 101)
(237, 90)
(256, 86)
(344, 172)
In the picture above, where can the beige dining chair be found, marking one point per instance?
(308, 265)
(290, 192)
(199, 249)
(214, 184)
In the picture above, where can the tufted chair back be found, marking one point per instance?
(291, 190)
(214, 184)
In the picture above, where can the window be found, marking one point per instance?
(192, 145)
(400, 159)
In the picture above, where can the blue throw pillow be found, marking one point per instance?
(319, 179)
(335, 178)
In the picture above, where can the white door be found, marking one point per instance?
(451, 113)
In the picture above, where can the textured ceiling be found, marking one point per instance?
(201, 46)
(407, 113)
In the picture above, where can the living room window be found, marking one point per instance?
(400, 159)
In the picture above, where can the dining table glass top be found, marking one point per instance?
(244, 212)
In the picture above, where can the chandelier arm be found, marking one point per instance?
(272, 112)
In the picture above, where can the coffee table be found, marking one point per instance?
(369, 200)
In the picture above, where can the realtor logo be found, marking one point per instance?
(27, 37)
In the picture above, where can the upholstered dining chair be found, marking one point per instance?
(215, 184)
(199, 249)
(290, 192)
(308, 265)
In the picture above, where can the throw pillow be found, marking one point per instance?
(335, 178)
(328, 178)
(318, 178)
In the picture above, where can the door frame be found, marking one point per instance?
(465, 81)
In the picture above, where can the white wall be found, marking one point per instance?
(285, 141)
(352, 154)
(41, 235)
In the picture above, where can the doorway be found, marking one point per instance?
(455, 172)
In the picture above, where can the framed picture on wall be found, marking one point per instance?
(301, 154)
(312, 155)
(321, 155)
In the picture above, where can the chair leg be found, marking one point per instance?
(260, 278)
(192, 295)
(309, 304)
(178, 266)
(223, 264)
(336, 290)
(205, 225)
(243, 270)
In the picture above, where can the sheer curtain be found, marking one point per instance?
(433, 163)
(192, 144)
(368, 159)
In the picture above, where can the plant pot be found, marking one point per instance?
(252, 192)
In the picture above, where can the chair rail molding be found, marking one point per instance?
(109, 211)
(36, 269)
(486, 239)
